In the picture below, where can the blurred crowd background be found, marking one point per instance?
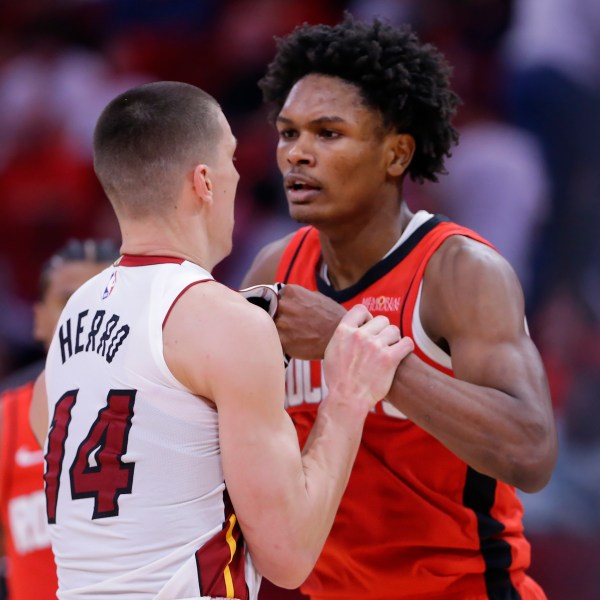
(526, 175)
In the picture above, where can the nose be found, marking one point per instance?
(299, 153)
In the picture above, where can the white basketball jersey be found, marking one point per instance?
(135, 492)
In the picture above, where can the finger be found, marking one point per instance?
(389, 335)
(357, 316)
(376, 325)
(402, 349)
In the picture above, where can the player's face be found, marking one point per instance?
(63, 280)
(332, 152)
(226, 180)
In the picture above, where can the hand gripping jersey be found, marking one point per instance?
(415, 521)
(135, 493)
(22, 503)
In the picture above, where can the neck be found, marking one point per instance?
(152, 237)
(350, 253)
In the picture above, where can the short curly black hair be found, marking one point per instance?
(405, 80)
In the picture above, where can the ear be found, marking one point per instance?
(202, 182)
(400, 153)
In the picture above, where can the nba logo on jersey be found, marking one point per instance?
(110, 285)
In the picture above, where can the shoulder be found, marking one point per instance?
(264, 266)
(467, 283)
(213, 331)
(462, 257)
(212, 306)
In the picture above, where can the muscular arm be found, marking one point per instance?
(496, 413)
(227, 351)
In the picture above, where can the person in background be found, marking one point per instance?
(30, 568)
(553, 87)
(430, 511)
(162, 398)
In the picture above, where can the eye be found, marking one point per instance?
(329, 134)
(288, 134)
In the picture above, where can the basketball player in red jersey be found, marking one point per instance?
(31, 572)
(430, 511)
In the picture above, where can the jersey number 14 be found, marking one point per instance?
(98, 470)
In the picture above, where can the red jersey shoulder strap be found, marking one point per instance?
(305, 238)
(430, 244)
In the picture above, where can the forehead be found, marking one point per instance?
(314, 96)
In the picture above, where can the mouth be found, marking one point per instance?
(300, 189)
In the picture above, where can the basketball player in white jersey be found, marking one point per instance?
(172, 468)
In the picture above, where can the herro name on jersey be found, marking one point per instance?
(95, 334)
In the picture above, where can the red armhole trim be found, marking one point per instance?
(181, 293)
(438, 237)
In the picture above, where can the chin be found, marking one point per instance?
(303, 214)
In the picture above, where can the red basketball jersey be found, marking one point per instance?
(31, 572)
(415, 520)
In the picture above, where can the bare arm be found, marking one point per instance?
(496, 413)
(285, 501)
(38, 410)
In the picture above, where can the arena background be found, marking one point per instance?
(526, 175)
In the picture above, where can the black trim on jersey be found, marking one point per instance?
(405, 300)
(479, 495)
(381, 268)
(293, 261)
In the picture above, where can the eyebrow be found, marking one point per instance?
(319, 121)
